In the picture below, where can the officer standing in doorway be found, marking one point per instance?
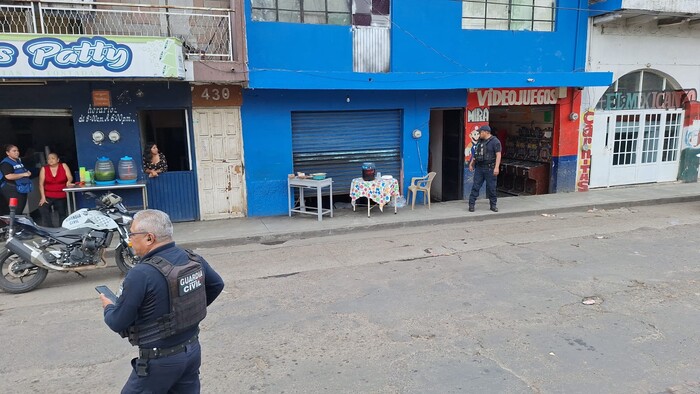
(485, 162)
(163, 299)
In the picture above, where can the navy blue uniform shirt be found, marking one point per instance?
(145, 296)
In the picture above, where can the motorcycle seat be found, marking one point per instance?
(51, 230)
(27, 220)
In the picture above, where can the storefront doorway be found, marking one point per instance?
(528, 124)
(174, 191)
(219, 162)
(526, 134)
(446, 154)
(37, 133)
(636, 147)
(637, 130)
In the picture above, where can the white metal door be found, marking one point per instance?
(600, 152)
(624, 138)
(671, 146)
(219, 162)
(635, 147)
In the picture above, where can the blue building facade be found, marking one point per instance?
(432, 62)
(64, 119)
(98, 80)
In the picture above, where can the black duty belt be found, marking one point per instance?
(485, 163)
(155, 352)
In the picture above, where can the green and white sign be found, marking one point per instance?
(34, 56)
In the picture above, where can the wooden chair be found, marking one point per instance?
(421, 184)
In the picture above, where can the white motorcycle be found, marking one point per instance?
(31, 250)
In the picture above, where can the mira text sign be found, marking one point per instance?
(30, 56)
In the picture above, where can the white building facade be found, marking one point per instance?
(643, 127)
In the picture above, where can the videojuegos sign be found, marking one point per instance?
(498, 97)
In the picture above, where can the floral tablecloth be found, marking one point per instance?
(379, 190)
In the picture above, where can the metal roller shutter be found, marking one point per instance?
(338, 142)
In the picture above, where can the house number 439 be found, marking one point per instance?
(216, 94)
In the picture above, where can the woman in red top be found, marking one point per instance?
(53, 178)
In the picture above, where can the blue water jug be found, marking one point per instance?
(104, 171)
(127, 170)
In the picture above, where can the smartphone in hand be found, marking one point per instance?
(102, 289)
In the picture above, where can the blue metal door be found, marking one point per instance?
(176, 194)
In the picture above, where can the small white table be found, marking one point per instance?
(302, 184)
(70, 192)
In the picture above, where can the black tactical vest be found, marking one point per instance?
(188, 300)
(483, 155)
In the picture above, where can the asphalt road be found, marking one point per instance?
(478, 307)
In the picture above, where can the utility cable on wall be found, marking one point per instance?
(420, 159)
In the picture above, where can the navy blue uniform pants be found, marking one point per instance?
(178, 373)
(10, 191)
(60, 205)
(484, 173)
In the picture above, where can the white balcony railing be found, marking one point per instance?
(206, 33)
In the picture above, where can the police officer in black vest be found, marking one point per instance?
(485, 163)
(163, 299)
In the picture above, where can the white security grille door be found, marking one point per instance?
(672, 138)
(635, 147)
(626, 135)
(650, 145)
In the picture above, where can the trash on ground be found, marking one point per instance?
(400, 202)
(592, 300)
(549, 215)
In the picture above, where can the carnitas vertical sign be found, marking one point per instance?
(584, 157)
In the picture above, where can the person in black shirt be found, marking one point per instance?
(154, 162)
(16, 182)
(162, 301)
(485, 163)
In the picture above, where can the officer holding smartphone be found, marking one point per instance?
(163, 299)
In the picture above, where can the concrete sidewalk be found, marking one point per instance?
(281, 228)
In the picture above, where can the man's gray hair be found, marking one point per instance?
(154, 221)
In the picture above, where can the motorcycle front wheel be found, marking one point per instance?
(125, 258)
(18, 276)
